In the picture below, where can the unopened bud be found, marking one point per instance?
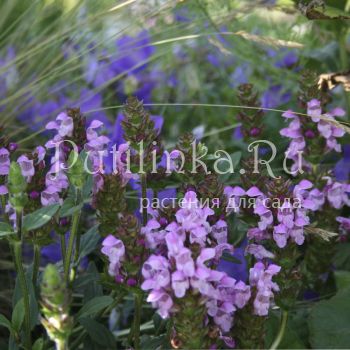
(76, 172)
(17, 186)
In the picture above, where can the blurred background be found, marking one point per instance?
(91, 54)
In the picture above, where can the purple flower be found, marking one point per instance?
(259, 252)
(3, 190)
(4, 161)
(325, 129)
(63, 124)
(184, 262)
(179, 283)
(156, 273)
(114, 249)
(161, 301)
(50, 196)
(337, 193)
(219, 231)
(154, 236)
(280, 235)
(312, 200)
(261, 278)
(266, 217)
(344, 223)
(233, 195)
(27, 166)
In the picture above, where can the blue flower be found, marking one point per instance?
(342, 168)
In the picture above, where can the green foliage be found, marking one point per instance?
(40, 217)
(330, 322)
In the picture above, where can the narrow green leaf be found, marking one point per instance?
(5, 229)
(39, 344)
(18, 315)
(69, 207)
(4, 322)
(93, 306)
(40, 217)
(89, 241)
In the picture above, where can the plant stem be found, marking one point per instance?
(17, 249)
(281, 331)
(344, 61)
(144, 195)
(72, 236)
(76, 254)
(36, 263)
(137, 320)
(61, 345)
(63, 248)
(3, 207)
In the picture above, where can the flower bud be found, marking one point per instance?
(55, 301)
(17, 186)
(76, 172)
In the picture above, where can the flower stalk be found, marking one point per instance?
(137, 320)
(17, 248)
(55, 301)
(36, 263)
(72, 239)
(281, 331)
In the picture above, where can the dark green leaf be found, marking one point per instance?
(98, 332)
(89, 241)
(39, 344)
(69, 207)
(40, 217)
(342, 279)
(329, 322)
(148, 342)
(18, 315)
(342, 257)
(94, 305)
(4, 322)
(85, 280)
(93, 289)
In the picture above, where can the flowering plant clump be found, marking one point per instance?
(215, 258)
(173, 251)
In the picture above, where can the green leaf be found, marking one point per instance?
(40, 217)
(39, 344)
(149, 342)
(93, 306)
(98, 332)
(342, 279)
(69, 207)
(93, 289)
(87, 188)
(335, 13)
(329, 322)
(5, 229)
(89, 242)
(18, 315)
(342, 258)
(4, 322)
